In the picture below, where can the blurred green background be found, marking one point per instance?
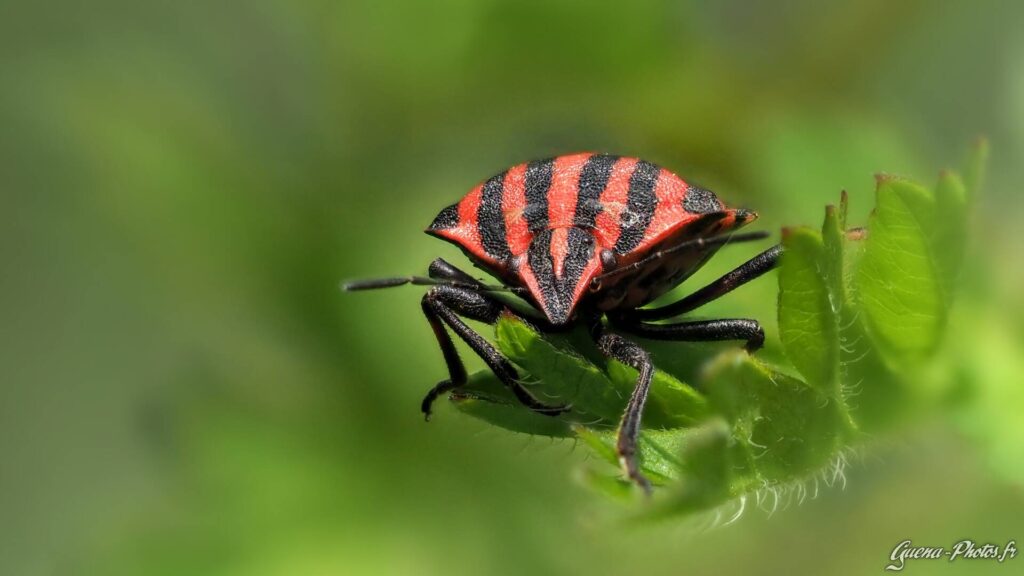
(185, 391)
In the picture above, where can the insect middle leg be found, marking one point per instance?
(631, 354)
(443, 305)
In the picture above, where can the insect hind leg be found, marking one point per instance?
(743, 329)
(749, 270)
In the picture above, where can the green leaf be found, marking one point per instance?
(658, 453)
(808, 326)
(486, 398)
(611, 486)
(898, 282)
(567, 377)
(561, 376)
(788, 426)
(830, 266)
(670, 403)
(558, 375)
(707, 474)
(774, 430)
(875, 395)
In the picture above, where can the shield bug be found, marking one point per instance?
(584, 238)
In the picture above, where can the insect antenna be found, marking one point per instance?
(697, 243)
(377, 283)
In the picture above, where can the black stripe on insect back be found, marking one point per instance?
(593, 180)
(448, 218)
(558, 286)
(543, 268)
(640, 204)
(700, 201)
(538, 182)
(580, 251)
(491, 219)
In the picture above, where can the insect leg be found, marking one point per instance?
(749, 270)
(441, 269)
(629, 353)
(699, 331)
(442, 305)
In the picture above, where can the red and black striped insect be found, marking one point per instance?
(584, 238)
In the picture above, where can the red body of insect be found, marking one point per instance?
(585, 238)
(554, 226)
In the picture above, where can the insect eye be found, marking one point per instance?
(595, 286)
(608, 260)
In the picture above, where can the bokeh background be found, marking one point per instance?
(184, 390)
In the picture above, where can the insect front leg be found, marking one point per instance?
(443, 305)
(441, 269)
(631, 354)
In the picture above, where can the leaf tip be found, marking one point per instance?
(830, 210)
(856, 234)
